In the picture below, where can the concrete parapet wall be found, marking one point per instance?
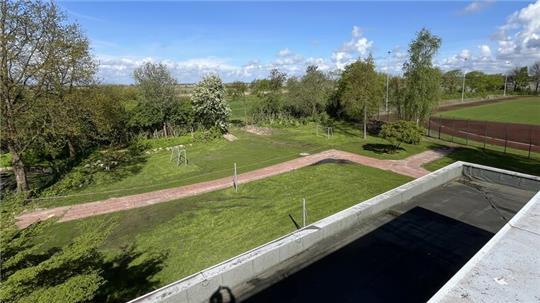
(239, 270)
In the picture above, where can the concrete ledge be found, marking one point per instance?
(506, 269)
(237, 271)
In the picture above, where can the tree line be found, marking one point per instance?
(54, 109)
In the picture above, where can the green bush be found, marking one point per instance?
(400, 132)
(207, 135)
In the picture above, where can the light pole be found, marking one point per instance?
(387, 80)
(463, 85)
(505, 79)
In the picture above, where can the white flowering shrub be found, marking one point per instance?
(209, 104)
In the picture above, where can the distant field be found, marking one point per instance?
(523, 110)
(200, 231)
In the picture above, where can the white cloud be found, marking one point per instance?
(476, 6)
(485, 50)
(358, 46)
(120, 69)
(519, 38)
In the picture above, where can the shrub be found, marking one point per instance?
(400, 132)
(207, 135)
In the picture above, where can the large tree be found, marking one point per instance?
(534, 71)
(361, 90)
(309, 95)
(422, 78)
(520, 78)
(451, 81)
(158, 103)
(211, 108)
(43, 59)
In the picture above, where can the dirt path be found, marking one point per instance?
(411, 166)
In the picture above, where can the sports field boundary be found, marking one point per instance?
(411, 166)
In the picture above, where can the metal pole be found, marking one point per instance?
(429, 127)
(304, 211)
(235, 179)
(505, 137)
(387, 81)
(505, 81)
(530, 141)
(467, 133)
(463, 88)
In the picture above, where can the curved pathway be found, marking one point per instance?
(411, 166)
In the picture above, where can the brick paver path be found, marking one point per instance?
(410, 166)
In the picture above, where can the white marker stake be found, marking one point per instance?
(304, 211)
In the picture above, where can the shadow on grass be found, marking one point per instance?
(496, 159)
(380, 148)
(129, 275)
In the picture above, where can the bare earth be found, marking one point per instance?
(410, 166)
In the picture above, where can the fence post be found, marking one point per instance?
(530, 141)
(467, 133)
(485, 134)
(453, 129)
(429, 127)
(505, 137)
(440, 125)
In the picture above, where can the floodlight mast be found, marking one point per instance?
(463, 85)
(387, 81)
(505, 79)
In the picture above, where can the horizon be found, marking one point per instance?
(244, 40)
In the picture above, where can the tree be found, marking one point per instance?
(309, 95)
(276, 81)
(31, 274)
(534, 71)
(396, 93)
(451, 81)
(43, 57)
(422, 79)
(158, 101)
(520, 77)
(400, 132)
(209, 104)
(361, 90)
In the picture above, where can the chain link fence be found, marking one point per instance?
(524, 137)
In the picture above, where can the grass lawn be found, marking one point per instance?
(511, 161)
(208, 161)
(200, 231)
(522, 110)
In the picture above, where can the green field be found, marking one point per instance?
(212, 160)
(522, 110)
(514, 160)
(200, 231)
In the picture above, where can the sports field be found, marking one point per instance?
(521, 110)
(181, 237)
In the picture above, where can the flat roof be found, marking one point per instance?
(424, 242)
(444, 236)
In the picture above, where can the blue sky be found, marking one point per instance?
(244, 40)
